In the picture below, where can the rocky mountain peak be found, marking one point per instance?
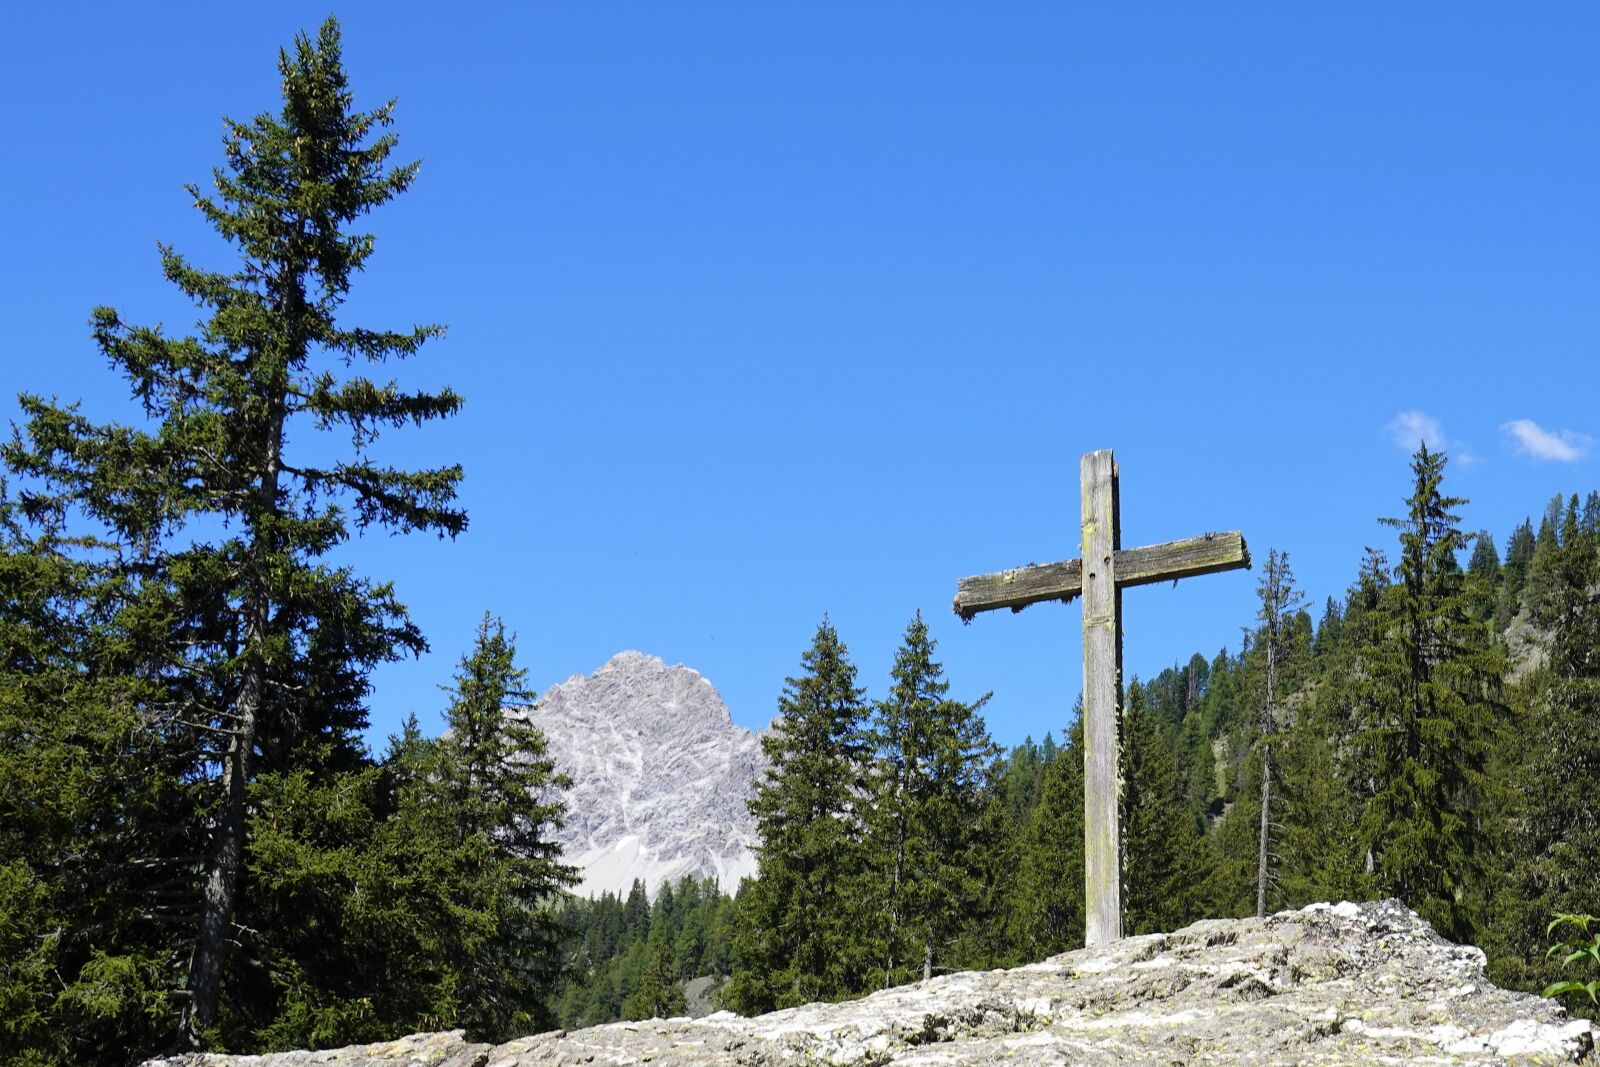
(660, 773)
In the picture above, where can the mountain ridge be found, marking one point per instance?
(660, 775)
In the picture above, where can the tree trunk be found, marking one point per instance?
(894, 902)
(1270, 724)
(1266, 807)
(222, 869)
(226, 857)
(894, 924)
(927, 957)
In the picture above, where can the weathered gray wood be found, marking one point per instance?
(1102, 667)
(1020, 586)
(1189, 558)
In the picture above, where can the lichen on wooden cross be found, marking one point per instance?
(1100, 575)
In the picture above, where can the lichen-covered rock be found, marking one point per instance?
(448, 1049)
(1341, 984)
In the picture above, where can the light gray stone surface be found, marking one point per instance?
(1342, 984)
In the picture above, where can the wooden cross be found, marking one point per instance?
(1100, 576)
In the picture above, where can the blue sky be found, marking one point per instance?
(768, 311)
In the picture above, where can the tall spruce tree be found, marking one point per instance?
(497, 781)
(1280, 599)
(926, 797)
(801, 937)
(214, 520)
(1430, 735)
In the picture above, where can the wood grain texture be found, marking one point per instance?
(1189, 558)
(1020, 586)
(1102, 662)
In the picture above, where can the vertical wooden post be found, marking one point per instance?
(1102, 688)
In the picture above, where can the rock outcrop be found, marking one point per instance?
(1342, 984)
(660, 775)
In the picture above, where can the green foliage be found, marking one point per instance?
(344, 897)
(888, 849)
(490, 784)
(1163, 859)
(801, 932)
(1429, 730)
(1582, 945)
(612, 947)
(1514, 574)
(924, 800)
(366, 910)
(235, 651)
(1047, 901)
(1548, 825)
(92, 815)
(659, 994)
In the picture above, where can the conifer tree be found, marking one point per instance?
(1484, 575)
(1048, 902)
(1326, 641)
(1514, 575)
(1163, 868)
(659, 994)
(801, 933)
(927, 794)
(986, 937)
(612, 973)
(1549, 822)
(1198, 762)
(92, 815)
(1279, 600)
(1321, 856)
(1485, 559)
(495, 777)
(1361, 680)
(1431, 732)
(269, 647)
(636, 912)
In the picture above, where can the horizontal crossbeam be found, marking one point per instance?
(1021, 586)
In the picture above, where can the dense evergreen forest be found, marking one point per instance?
(198, 850)
(634, 958)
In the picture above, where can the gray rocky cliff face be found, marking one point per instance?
(1342, 984)
(660, 775)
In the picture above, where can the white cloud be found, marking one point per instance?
(1536, 442)
(1411, 428)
